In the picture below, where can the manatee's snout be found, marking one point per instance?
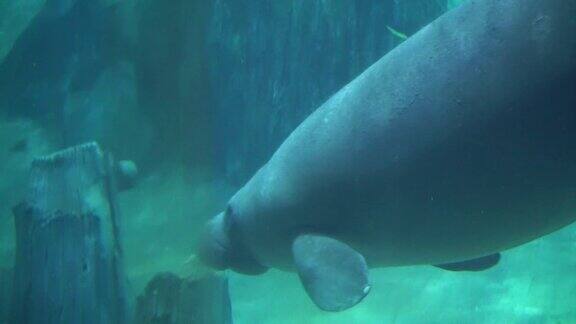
(221, 247)
(214, 244)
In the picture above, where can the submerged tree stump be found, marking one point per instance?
(169, 299)
(68, 256)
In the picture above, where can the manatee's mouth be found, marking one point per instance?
(214, 248)
(214, 254)
(221, 247)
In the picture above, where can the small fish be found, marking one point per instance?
(396, 33)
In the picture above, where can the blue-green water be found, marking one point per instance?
(200, 94)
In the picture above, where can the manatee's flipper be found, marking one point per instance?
(478, 264)
(334, 275)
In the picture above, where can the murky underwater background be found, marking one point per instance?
(199, 94)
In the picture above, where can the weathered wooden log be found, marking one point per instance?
(169, 299)
(68, 256)
(5, 294)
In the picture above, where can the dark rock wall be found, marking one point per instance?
(272, 63)
(63, 50)
(216, 84)
(172, 78)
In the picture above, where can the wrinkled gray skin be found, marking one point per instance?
(457, 144)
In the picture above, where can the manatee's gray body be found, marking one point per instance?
(458, 144)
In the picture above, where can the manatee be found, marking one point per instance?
(455, 146)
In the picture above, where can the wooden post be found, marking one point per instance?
(68, 256)
(169, 299)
